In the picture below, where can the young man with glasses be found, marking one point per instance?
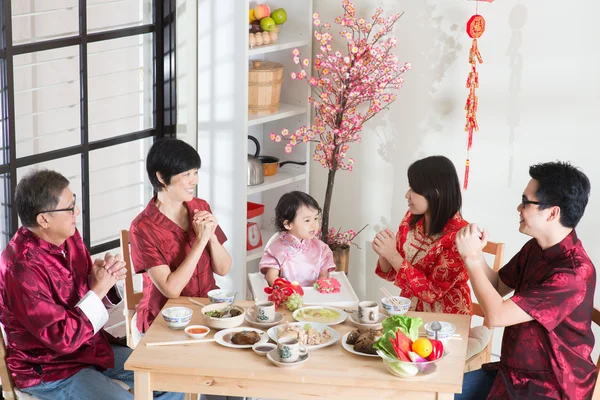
(53, 300)
(548, 338)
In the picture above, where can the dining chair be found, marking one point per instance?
(479, 348)
(131, 297)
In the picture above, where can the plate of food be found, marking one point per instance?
(361, 341)
(312, 335)
(320, 314)
(241, 338)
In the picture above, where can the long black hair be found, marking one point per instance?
(435, 179)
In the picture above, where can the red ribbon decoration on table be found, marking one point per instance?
(475, 28)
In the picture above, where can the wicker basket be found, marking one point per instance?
(264, 86)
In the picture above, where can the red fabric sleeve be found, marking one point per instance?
(144, 253)
(31, 301)
(449, 269)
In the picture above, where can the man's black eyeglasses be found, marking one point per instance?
(525, 201)
(72, 208)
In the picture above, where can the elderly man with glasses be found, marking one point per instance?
(53, 300)
(548, 338)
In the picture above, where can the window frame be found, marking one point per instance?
(163, 30)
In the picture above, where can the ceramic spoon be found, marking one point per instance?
(227, 314)
(435, 326)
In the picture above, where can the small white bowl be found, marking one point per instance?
(177, 317)
(391, 309)
(263, 348)
(189, 330)
(445, 333)
(220, 296)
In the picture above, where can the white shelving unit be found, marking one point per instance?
(224, 122)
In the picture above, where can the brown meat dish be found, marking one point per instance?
(245, 338)
(363, 340)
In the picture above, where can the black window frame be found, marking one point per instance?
(163, 29)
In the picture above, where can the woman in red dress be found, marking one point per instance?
(422, 259)
(175, 242)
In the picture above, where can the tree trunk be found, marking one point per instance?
(327, 204)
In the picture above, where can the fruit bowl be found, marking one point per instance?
(409, 370)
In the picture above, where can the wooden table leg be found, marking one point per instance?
(141, 385)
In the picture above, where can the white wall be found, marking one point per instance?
(536, 103)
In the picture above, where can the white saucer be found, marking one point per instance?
(353, 318)
(273, 356)
(259, 324)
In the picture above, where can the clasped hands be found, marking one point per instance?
(105, 273)
(384, 244)
(470, 242)
(204, 224)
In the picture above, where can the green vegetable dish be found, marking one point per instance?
(318, 315)
(219, 314)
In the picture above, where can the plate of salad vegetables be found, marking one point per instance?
(403, 352)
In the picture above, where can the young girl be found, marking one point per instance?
(297, 254)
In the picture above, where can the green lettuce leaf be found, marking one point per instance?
(384, 344)
(408, 325)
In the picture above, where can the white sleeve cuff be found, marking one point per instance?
(92, 307)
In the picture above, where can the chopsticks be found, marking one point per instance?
(152, 344)
(196, 302)
(391, 298)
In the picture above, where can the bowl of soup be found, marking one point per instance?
(197, 331)
(177, 317)
(213, 316)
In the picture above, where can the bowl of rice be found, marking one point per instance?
(177, 317)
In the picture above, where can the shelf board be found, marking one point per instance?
(288, 39)
(287, 174)
(285, 111)
(258, 252)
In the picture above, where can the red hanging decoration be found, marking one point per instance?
(475, 28)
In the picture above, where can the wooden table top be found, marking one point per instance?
(332, 365)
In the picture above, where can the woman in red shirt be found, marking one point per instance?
(422, 259)
(176, 241)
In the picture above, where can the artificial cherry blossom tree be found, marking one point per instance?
(349, 87)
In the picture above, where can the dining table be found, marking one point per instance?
(331, 372)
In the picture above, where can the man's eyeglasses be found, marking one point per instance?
(72, 208)
(525, 201)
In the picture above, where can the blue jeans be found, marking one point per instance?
(91, 384)
(477, 385)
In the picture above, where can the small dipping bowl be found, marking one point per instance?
(263, 348)
(220, 296)
(177, 317)
(391, 309)
(197, 331)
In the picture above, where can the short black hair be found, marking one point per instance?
(170, 157)
(435, 179)
(563, 185)
(39, 190)
(288, 205)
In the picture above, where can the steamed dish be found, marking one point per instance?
(318, 315)
(219, 314)
(363, 340)
(306, 334)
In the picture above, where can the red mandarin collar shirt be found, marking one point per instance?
(51, 318)
(432, 276)
(549, 357)
(156, 240)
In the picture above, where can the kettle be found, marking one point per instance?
(256, 172)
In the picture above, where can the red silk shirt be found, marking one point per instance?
(48, 335)
(432, 276)
(549, 357)
(156, 240)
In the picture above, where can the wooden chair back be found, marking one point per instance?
(131, 298)
(484, 356)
